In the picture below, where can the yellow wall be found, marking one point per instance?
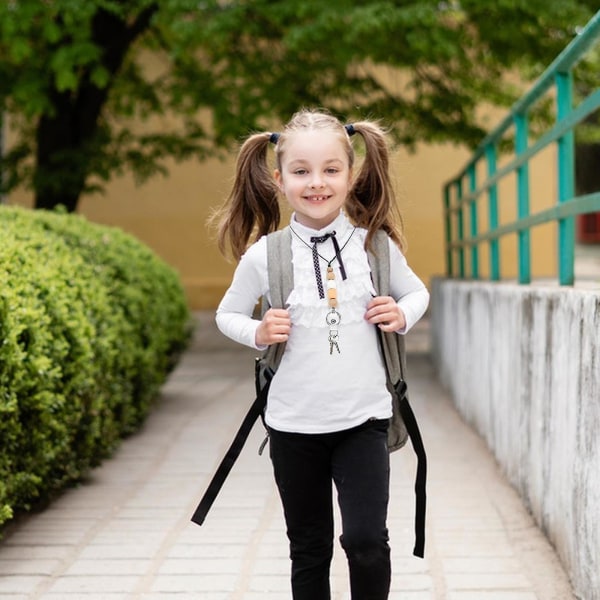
(169, 214)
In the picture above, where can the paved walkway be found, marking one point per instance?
(125, 532)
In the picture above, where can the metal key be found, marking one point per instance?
(333, 337)
(333, 319)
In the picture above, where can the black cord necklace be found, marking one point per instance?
(333, 317)
(323, 238)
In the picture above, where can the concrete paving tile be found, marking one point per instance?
(277, 565)
(172, 502)
(48, 524)
(488, 581)
(465, 523)
(176, 584)
(475, 565)
(412, 582)
(412, 595)
(29, 566)
(62, 513)
(23, 552)
(186, 596)
(167, 483)
(198, 552)
(275, 596)
(276, 538)
(213, 538)
(473, 544)
(115, 551)
(448, 513)
(492, 595)
(19, 584)
(408, 565)
(44, 538)
(83, 585)
(270, 583)
(129, 538)
(88, 596)
(462, 548)
(108, 567)
(133, 512)
(85, 500)
(132, 526)
(203, 566)
(402, 547)
(270, 549)
(237, 523)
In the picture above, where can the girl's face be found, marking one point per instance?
(315, 176)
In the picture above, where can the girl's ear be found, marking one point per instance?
(278, 179)
(350, 179)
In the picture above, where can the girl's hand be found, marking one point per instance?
(384, 312)
(274, 327)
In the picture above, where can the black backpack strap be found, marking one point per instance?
(232, 454)
(392, 349)
(421, 478)
(279, 261)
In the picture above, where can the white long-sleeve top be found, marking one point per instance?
(315, 391)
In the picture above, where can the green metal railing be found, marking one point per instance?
(461, 205)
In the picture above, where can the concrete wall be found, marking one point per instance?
(522, 364)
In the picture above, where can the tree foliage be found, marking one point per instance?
(78, 78)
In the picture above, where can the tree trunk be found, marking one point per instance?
(61, 160)
(67, 141)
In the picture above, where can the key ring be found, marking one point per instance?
(333, 317)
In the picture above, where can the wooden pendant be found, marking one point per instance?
(333, 317)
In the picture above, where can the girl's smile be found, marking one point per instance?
(317, 198)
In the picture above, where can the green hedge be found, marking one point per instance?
(91, 322)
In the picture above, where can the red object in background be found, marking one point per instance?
(588, 228)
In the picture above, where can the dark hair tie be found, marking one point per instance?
(350, 129)
(274, 138)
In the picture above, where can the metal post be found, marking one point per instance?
(460, 228)
(490, 154)
(521, 142)
(473, 223)
(566, 183)
(448, 224)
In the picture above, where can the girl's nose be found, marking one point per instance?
(316, 182)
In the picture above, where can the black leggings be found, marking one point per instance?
(357, 461)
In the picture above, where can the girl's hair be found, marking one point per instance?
(252, 208)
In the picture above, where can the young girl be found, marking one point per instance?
(328, 407)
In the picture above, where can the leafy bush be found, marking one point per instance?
(91, 322)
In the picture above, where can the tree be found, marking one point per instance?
(74, 82)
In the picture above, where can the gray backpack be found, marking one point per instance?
(403, 424)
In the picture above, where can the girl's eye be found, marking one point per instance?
(332, 170)
(300, 172)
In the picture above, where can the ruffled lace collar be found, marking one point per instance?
(305, 306)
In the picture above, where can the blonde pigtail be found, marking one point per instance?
(372, 201)
(252, 207)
